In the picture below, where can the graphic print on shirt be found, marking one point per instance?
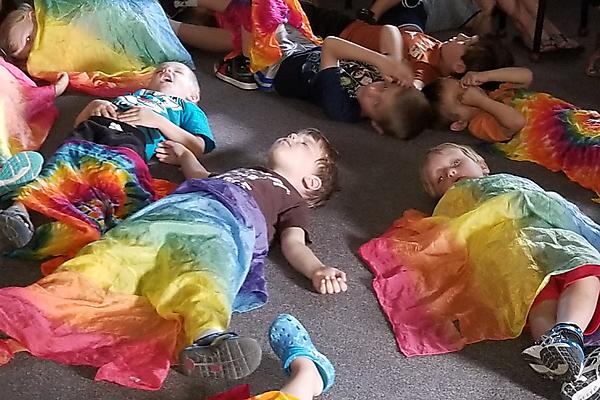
(155, 101)
(241, 176)
(354, 75)
(421, 46)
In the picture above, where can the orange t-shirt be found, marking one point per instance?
(484, 125)
(420, 50)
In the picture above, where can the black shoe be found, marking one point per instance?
(366, 15)
(221, 356)
(237, 72)
(175, 7)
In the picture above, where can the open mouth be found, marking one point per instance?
(166, 78)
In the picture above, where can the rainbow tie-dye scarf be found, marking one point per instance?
(27, 111)
(129, 301)
(108, 47)
(471, 271)
(558, 136)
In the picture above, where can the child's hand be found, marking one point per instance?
(62, 81)
(141, 116)
(397, 72)
(473, 96)
(103, 108)
(328, 280)
(170, 152)
(473, 78)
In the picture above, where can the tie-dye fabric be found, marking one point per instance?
(471, 271)
(128, 302)
(27, 111)
(108, 47)
(261, 18)
(557, 135)
(87, 188)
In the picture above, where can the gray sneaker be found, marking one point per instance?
(221, 356)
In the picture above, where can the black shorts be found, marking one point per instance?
(109, 132)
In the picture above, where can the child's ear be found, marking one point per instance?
(460, 67)
(194, 97)
(484, 167)
(458, 126)
(377, 128)
(312, 182)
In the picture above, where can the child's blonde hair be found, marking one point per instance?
(466, 150)
(8, 47)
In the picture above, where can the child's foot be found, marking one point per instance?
(15, 226)
(559, 354)
(593, 66)
(290, 341)
(18, 170)
(221, 356)
(587, 386)
(236, 71)
(61, 84)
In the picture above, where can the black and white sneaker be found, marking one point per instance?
(559, 354)
(221, 356)
(587, 386)
(236, 71)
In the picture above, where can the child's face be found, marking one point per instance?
(377, 98)
(451, 104)
(175, 79)
(454, 49)
(444, 168)
(21, 35)
(296, 155)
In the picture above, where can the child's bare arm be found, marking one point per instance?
(98, 107)
(171, 152)
(518, 76)
(391, 42)
(511, 120)
(145, 117)
(325, 280)
(335, 49)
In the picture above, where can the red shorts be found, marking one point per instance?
(558, 283)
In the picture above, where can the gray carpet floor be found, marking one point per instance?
(379, 181)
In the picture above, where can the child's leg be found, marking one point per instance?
(593, 65)
(204, 37)
(311, 373)
(577, 303)
(214, 5)
(559, 353)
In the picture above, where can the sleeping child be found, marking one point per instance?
(164, 282)
(99, 176)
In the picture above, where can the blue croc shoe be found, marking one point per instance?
(290, 340)
(18, 170)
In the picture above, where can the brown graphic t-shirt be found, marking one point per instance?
(280, 203)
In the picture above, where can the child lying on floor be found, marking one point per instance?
(128, 128)
(567, 306)
(178, 269)
(533, 126)
(509, 252)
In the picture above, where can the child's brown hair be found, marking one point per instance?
(7, 46)
(409, 115)
(327, 170)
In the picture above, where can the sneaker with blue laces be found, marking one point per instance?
(559, 353)
(290, 340)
